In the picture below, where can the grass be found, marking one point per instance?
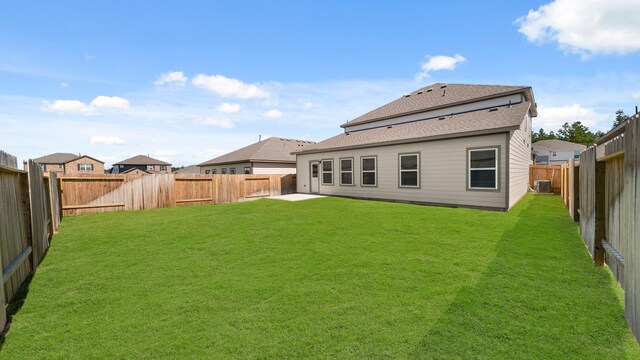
(326, 278)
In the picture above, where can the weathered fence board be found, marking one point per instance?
(588, 198)
(631, 216)
(546, 172)
(39, 213)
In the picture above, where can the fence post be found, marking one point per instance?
(600, 214)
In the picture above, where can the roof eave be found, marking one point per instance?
(414, 140)
(245, 161)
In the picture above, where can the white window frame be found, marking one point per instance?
(374, 171)
(417, 170)
(85, 167)
(346, 171)
(247, 170)
(163, 167)
(151, 167)
(495, 168)
(322, 172)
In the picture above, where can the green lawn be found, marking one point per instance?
(326, 278)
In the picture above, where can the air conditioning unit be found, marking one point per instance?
(543, 186)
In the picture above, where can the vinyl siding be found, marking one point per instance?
(257, 168)
(519, 160)
(443, 172)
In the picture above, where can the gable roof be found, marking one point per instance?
(56, 158)
(191, 169)
(558, 145)
(477, 122)
(136, 170)
(437, 96)
(142, 160)
(273, 149)
(62, 158)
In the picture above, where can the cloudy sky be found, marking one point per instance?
(186, 83)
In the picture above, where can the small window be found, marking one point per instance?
(223, 171)
(327, 172)
(150, 167)
(483, 169)
(368, 166)
(214, 171)
(163, 168)
(85, 167)
(44, 167)
(346, 171)
(60, 166)
(553, 153)
(409, 170)
(576, 154)
(207, 171)
(247, 169)
(232, 171)
(121, 166)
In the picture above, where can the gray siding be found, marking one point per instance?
(256, 168)
(443, 172)
(519, 160)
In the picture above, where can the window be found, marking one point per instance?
(223, 171)
(346, 171)
(247, 169)
(368, 166)
(576, 154)
(163, 168)
(232, 171)
(44, 168)
(150, 167)
(327, 172)
(553, 153)
(483, 169)
(60, 166)
(314, 171)
(85, 167)
(207, 171)
(409, 170)
(214, 171)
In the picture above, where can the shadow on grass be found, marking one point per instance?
(540, 298)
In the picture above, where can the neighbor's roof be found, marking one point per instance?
(269, 150)
(142, 160)
(477, 122)
(191, 169)
(61, 158)
(437, 96)
(558, 145)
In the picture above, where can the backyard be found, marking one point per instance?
(324, 278)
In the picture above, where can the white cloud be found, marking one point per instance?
(165, 153)
(174, 78)
(110, 102)
(228, 108)
(229, 88)
(210, 153)
(585, 27)
(106, 140)
(63, 85)
(552, 118)
(68, 106)
(273, 113)
(221, 123)
(89, 57)
(307, 105)
(440, 62)
(637, 95)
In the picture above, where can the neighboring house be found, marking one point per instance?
(191, 169)
(269, 156)
(555, 152)
(444, 144)
(70, 164)
(143, 163)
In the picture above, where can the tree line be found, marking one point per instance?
(577, 132)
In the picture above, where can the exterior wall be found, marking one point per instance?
(118, 169)
(560, 157)
(514, 99)
(256, 168)
(443, 173)
(72, 166)
(519, 160)
(59, 168)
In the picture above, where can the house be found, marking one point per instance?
(444, 144)
(555, 152)
(142, 163)
(70, 164)
(269, 156)
(191, 169)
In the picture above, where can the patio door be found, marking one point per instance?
(315, 179)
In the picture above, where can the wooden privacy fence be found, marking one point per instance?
(105, 193)
(569, 187)
(609, 203)
(546, 172)
(29, 215)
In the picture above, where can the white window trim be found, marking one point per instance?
(322, 172)
(417, 170)
(345, 172)
(374, 171)
(495, 169)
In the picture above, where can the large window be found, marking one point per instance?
(327, 172)
(483, 169)
(409, 170)
(85, 167)
(346, 171)
(368, 166)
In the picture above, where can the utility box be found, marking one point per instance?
(543, 186)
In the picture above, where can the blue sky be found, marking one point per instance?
(188, 81)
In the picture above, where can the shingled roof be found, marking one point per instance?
(56, 158)
(486, 121)
(558, 145)
(142, 160)
(272, 149)
(437, 96)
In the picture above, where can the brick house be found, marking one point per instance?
(67, 163)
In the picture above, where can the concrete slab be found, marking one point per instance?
(296, 197)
